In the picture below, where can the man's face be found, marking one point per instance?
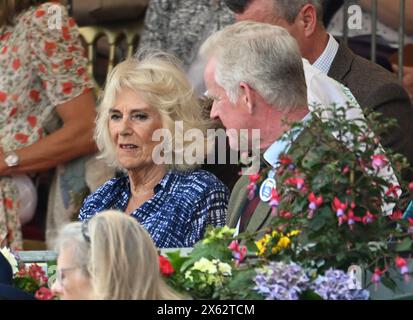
(234, 116)
(264, 11)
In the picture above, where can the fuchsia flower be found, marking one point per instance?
(315, 202)
(340, 208)
(274, 201)
(379, 161)
(252, 187)
(410, 229)
(285, 160)
(404, 269)
(286, 214)
(238, 252)
(368, 218)
(345, 170)
(296, 181)
(352, 218)
(376, 276)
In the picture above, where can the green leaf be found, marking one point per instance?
(242, 284)
(310, 295)
(389, 283)
(404, 246)
(176, 259)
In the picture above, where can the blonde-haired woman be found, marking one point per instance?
(162, 187)
(110, 257)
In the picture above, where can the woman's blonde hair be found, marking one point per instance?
(160, 81)
(9, 9)
(118, 255)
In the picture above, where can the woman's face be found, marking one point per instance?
(131, 125)
(71, 282)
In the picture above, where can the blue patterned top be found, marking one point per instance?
(176, 216)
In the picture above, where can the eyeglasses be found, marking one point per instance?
(60, 273)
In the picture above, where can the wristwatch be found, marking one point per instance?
(11, 158)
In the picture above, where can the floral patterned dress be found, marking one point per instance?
(41, 67)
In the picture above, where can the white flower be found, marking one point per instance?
(204, 265)
(10, 258)
(189, 276)
(224, 268)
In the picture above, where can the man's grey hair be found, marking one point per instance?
(264, 56)
(286, 9)
(289, 9)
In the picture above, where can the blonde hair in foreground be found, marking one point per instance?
(121, 259)
(159, 79)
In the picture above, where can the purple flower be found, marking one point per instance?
(281, 281)
(338, 285)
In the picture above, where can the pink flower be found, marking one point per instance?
(297, 182)
(44, 294)
(402, 265)
(286, 214)
(238, 252)
(252, 186)
(404, 269)
(36, 272)
(378, 161)
(314, 201)
(411, 186)
(368, 218)
(274, 201)
(410, 229)
(285, 160)
(376, 277)
(339, 207)
(352, 219)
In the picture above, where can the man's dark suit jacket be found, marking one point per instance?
(378, 90)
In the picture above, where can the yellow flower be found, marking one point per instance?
(275, 250)
(284, 242)
(261, 244)
(293, 233)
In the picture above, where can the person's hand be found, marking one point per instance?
(407, 78)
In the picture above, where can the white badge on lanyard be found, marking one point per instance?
(267, 186)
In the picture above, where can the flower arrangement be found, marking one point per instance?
(29, 278)
(33, 279)
(213, 271)
(338, 202)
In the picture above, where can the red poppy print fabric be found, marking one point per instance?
(41, 67)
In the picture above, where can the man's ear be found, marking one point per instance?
(247, 96)
(308, 19)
